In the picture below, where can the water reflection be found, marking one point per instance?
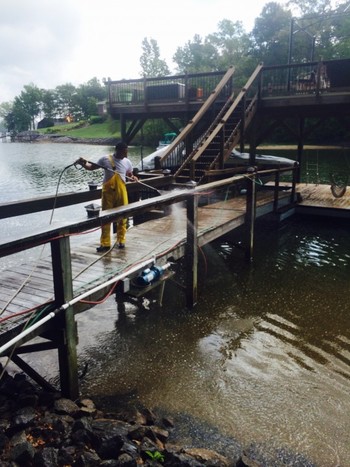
(265, 357)
(30, 170)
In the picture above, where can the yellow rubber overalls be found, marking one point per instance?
(114, 194)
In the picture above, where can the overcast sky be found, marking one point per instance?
(53, 42)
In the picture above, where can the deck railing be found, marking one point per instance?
(305, 78)
(278, 80)
(181, 88)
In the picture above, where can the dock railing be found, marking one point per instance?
(55, 234)
(65, 303)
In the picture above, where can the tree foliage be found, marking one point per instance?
(270, 35)
(151, 63)
(310, 7)
(65, 101)
(234, 48)
(278, 36)
(29, 100)
(196, 56)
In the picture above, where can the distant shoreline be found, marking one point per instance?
(35, 137)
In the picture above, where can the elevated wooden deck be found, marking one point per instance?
(298, 90)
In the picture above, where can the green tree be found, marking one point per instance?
(29, 102)
(197, 56)
(310, 7)
(66, 100)
(341, 32)
(270, 35)
(86, 97)
(151, 63)
(233, 46)
(94, 88)
(320, 33)
(5, 108)
(18, 119)
(49, 102)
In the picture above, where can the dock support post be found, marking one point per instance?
(276, 191)
(122, 120)
(300, 147)
(67, 351)
(192, 251)
(250, 214)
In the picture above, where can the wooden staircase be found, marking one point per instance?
(205, 149)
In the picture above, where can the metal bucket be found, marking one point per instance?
(93, 185)
(93, 210)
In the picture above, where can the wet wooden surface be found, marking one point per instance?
(25, 286)
(321, 196)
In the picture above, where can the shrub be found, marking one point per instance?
(96, 119)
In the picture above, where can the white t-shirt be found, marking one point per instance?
(122, 166)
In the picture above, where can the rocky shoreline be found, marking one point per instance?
(40, 428)
(36, 137)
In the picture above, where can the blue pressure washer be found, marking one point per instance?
(151, 274)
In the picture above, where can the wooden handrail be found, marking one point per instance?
(46, 203)
(205, 107)
(197, 153)
(60, 230)
(52, 233)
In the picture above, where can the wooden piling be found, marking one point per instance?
(250, 214)
(67, 334)
(192, 251)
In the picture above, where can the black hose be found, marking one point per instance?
(58, 184)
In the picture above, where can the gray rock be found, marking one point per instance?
(48, 457)
(66, 406)
(22, 453)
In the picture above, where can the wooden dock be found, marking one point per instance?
(159, 239)
(74, 274)
(319, 200)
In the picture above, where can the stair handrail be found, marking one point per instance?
(240, 96)
(228, 109)
(205, 135)
(197, 117)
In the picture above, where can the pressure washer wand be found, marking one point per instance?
(114, 171)
(144, 184)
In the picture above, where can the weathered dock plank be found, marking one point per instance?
(160, 238)
(321, 196)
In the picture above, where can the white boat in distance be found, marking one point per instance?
(263, 161)
(236, 159)
(147, 163)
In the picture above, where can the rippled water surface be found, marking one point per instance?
(264, 359)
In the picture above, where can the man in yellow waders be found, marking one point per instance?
(117, 168)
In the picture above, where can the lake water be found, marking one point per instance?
(263, 361)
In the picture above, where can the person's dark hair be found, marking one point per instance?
(121, 145)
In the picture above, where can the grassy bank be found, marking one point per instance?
(83, 130)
